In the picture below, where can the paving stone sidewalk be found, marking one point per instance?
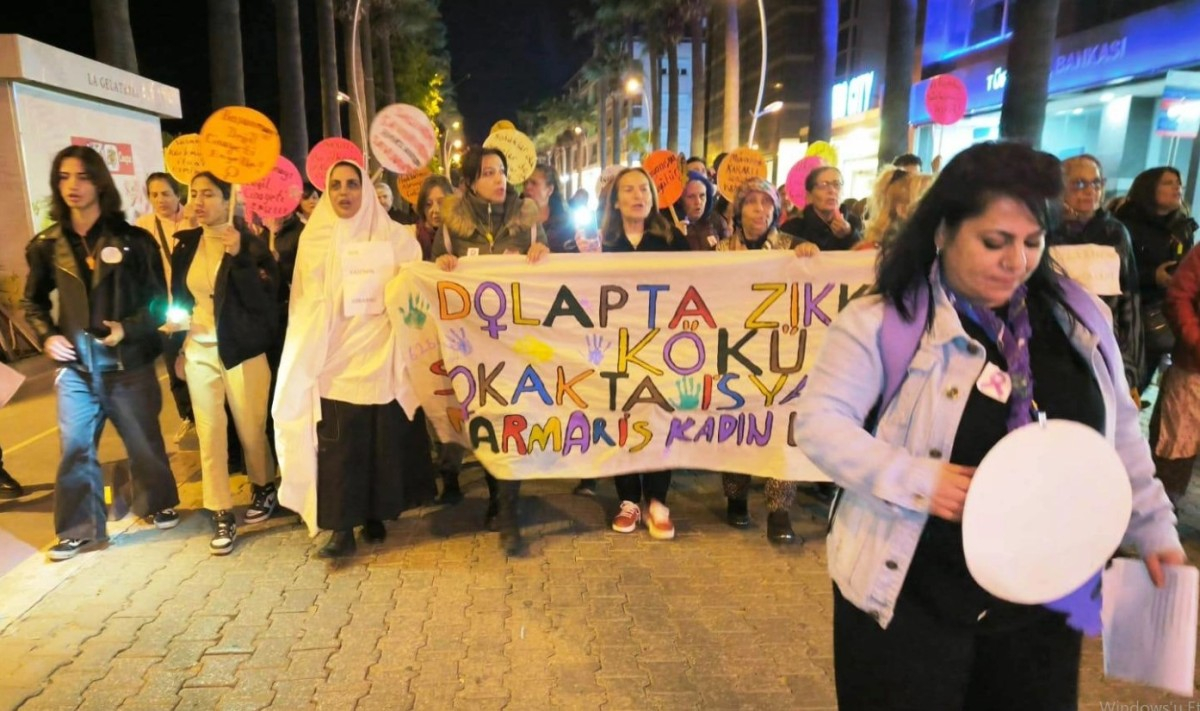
(437, 618)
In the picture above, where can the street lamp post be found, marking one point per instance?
(762, 71)
(633, 87)
(446, 144)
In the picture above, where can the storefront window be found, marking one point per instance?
(953, 27)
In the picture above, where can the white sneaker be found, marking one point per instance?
(185, 428)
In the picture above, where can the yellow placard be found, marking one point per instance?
(824, 151)
(739, 166)
(239, 145)
(502, 125)
(518, 150)
(182, 158)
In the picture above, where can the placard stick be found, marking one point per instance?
(678, 222)
(233, 194)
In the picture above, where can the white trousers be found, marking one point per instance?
(246, 388)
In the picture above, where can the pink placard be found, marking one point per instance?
(402, 138)
(325, 154)
(946, 99)
(276, 195)
(796, 177)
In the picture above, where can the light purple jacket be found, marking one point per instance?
(889, 477)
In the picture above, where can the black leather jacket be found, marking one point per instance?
(245, 299)
(129, 286)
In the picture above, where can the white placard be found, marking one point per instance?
(10, 382)
(1149, 632)
(1047, 507)
(366, 269)
(1097, 267)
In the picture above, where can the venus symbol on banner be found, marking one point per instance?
(739, 166)
(664, 169)
(519, 151)
(239, 145)
(402, 138)
(182, 158)
(323, 155)
(946, 99)
(796, 178)
(276, 195)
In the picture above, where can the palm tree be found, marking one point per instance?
(225, 53)
(733, 77)
(902, 39)
(368, 60)
(114, 37)
(355, 84)
(331, 115)
(1023, 113)
(825, 26)
(383, 23)
(293, 131)
(695, 13)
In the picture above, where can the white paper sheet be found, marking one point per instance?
(10, 382)
(366, 269)
(1095, 266)
(1150, 633)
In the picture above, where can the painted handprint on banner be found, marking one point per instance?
(415, 315)
(689, 394)
(457, 341)
(596, 349)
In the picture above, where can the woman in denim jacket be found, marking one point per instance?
(969, 278)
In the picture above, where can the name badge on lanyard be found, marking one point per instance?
(366, 269)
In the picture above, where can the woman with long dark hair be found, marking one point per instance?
(632, 223)
(965, 288)
(544, 188)
(1163, 233)
(429, 212)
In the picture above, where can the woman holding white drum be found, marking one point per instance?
(983, 337)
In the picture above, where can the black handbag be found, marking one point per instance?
(1159, 336)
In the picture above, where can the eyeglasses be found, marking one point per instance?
(1079, 185)
(827, 184)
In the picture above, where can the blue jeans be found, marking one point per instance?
(86, 401)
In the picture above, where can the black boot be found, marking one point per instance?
(779, 527)
(374, 531)
(9, 487)
(737, 513)
(451, 492)
(489, 518)
(341, 543)
(509, 519)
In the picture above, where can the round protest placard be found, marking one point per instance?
(518, 149)
(409, 184)
(1046, 509)
(502, 125)
(239, 145)
(739, 166)
(182, 158)
(276, 195)
(667, 174)
(323, 155)
(796, 177)
(946, 99)
(402, 138)
(824, 151)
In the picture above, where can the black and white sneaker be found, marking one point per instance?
(67, 548)
(224, 533)
(263, 504)
(167, 518)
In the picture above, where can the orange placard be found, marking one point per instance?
(183, 159)
(409, 184)
(239, 145)
(667, 174)
(739, 166)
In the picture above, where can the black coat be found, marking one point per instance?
(246, 298)
(809, 227)
(130, 288)
(1157, 239)
(651, 242)
(1105, 230)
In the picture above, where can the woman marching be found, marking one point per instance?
(353, 449)
(228, 280)
(965, 288)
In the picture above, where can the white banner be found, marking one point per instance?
(607, 364)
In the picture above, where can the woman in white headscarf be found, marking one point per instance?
(353, 449)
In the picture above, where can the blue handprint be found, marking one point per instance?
(689, 394)
(596, 349)
(457, 341)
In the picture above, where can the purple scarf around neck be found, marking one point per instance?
(1011, 335)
